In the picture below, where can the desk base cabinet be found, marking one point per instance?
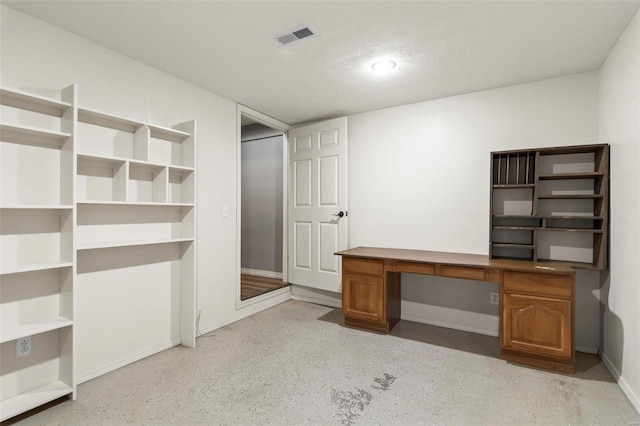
(537, 320)
(537, 301)
(370, 294)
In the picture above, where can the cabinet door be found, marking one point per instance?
(537, 325)
(363, 297)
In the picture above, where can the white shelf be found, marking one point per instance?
(93, 246)
(38, 207)
(90, 116)
(96, 160)
(16, 269)
(181, 169)
(102, 119)
(168, 134)
(30, 102)
(26, 401)
(28, 134)
(145, 166)
(127, 203)
(17, 331)
(112, 160)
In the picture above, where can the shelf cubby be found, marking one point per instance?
(157, 280)
(564, 208)
(21, 134)
(512, 201)
(43, 376)
(35, 237)
(181, 185)
(33, 398)
(513, 169)
(512, 251)
(171, 147)
(102, 226)
(101, 178)
(147, 183)
(566, 246)
(33, 174)
(36, 301)
(33, 103)
(106, 135)
(574, 223)
(34, 119)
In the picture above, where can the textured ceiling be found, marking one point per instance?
(442, 48)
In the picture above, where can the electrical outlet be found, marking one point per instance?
(495, 298)
(23, 346)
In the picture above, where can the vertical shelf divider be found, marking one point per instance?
(141, 143)
(121, 182)
(188, 297)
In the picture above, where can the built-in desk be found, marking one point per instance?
(537, 300)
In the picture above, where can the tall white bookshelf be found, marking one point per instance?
(37, 266)
(98, 227)
(135, 197)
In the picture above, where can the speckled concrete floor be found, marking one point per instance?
(296, 364)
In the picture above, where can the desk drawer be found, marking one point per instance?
(544, 284)
(416, 268)
(363, 266)
(466, 272)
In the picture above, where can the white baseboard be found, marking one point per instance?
(633, 398)
(261, 273)
(450, 318)
(318, 297)
(249, 310)
(318, 301)
(126, 361)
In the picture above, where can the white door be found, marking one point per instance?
(317, 196)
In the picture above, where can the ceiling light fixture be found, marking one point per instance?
(383, 66)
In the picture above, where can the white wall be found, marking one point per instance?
(262, 199)
(36, 56)
(419, 178)
(419, 174)
(620, 126)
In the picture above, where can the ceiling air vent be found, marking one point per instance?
(296, 35)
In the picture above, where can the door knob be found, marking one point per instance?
(340, 214)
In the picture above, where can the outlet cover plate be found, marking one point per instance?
(23, 346)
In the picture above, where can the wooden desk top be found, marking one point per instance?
(447, 258)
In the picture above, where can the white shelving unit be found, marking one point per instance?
(136, 230)
(97, 215)
(37, 268)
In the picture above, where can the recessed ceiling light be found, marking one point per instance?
(383, 66)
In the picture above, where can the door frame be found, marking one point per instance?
(284, 127)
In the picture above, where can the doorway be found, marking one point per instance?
(262, 209)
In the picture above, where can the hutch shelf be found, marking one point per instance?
(551, 204)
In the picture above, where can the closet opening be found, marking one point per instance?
(262, 209)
